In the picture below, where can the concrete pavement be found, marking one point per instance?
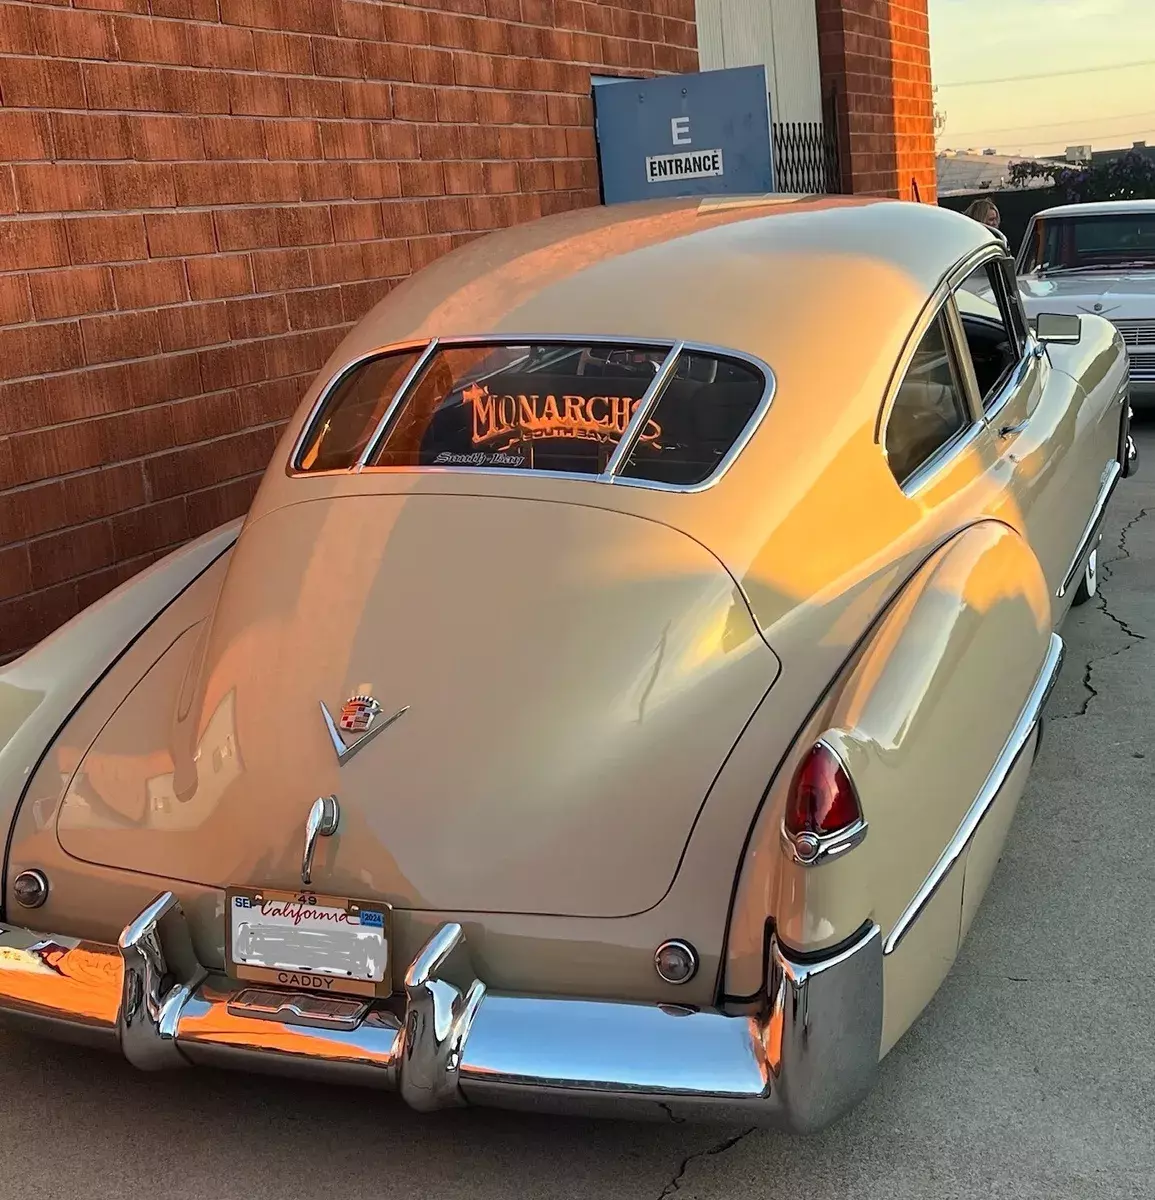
(1032, 1074)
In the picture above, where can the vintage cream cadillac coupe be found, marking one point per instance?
(617, 696)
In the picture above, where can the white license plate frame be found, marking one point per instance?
(303, 925)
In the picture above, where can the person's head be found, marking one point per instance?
(985, 212)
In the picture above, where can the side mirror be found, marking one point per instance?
(1062, 328)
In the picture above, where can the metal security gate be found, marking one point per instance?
(806, 157)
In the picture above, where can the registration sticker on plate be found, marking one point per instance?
(302, 940)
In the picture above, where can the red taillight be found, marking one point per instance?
(822, 799)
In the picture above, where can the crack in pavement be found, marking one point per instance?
(1101, 606)
(675, 1184)
(1127, 529)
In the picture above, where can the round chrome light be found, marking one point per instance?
(30, 888)
(676, 961)
(806, 846)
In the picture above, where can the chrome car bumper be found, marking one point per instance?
(447, 1041)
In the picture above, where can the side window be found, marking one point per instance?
(929, 408)
(991, 334)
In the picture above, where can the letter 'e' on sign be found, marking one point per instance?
(701, 134)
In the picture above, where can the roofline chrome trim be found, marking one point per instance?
(972, 262)
(1010, 754)
(769, 391)
(1091, 530)
(646, 405)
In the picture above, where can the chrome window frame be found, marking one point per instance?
(1015, 323)
(426, 347)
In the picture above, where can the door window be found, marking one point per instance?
(991, 336)
(930, 407)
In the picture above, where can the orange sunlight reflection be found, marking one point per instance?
(83, 981)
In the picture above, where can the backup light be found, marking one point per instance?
(30, 888)
(676, 961)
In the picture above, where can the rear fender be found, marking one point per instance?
(40, 690)
(919, 714)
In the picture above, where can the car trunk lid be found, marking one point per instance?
(570, 680)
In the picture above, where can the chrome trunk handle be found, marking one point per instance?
(323, 819)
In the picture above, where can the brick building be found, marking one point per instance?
(197, 197)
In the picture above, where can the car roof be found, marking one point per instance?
(826, 290)
(1099, 208)
(747, 273)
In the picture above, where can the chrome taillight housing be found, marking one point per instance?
(823, 814)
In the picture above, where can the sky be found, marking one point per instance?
(981, 48)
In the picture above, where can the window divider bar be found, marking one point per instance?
(646, 406)
(402, 394)
(962, 361)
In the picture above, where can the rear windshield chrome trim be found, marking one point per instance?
(292, 467)
(646, 406)
(674, 347)
(403, 390)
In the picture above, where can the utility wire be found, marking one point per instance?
(1053, 125)
(1147, 62)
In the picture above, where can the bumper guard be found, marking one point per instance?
(807, 1057)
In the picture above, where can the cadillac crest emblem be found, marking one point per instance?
(359, 721)
(358, 714)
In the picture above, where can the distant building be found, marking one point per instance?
(1086, 155)
(961, 171)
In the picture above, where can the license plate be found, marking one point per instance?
(302, 940)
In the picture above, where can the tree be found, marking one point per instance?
(1129, 176)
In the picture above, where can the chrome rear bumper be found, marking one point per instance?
(809, 1056)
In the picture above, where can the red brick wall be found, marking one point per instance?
(197, 197)
(875, 59)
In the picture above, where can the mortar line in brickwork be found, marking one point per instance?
(213, 69)
(132, 460)
(94, 418)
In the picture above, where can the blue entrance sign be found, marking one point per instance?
(684, 135)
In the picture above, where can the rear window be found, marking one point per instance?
(352, 411)
(558, 408)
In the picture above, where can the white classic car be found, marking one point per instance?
(606, 590)
(1098, 258)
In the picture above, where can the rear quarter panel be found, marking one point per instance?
(920, 714)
